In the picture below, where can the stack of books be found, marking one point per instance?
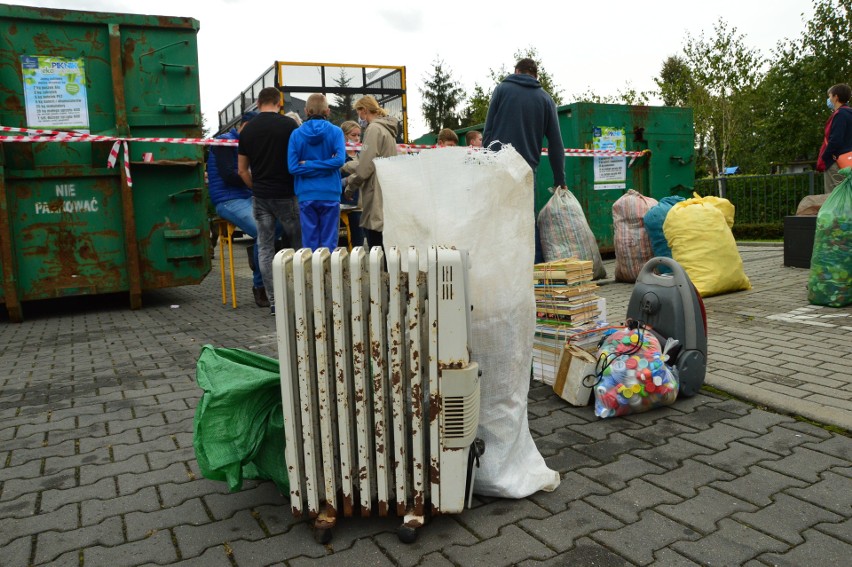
(566, 304)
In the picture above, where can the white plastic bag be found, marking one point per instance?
(482, 202)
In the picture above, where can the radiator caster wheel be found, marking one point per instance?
(322, 536)
(406, 534)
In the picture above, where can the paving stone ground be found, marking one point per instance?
(97, 466)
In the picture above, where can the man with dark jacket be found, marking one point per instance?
(231, 197)
(262, 164)
(838, 135)
(522, 114)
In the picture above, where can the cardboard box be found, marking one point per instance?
(575, 364)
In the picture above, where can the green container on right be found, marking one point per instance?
(669, 134)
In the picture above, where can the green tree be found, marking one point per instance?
(548, 83)
(441, 96)
(477, 107)
(628, 95)
(790, 111)
(678, 87)
(341, 110)
(726, 71)
(675, 82)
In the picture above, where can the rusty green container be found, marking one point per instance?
(667, 132)
(70, 225)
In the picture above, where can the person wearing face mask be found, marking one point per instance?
(838, 135)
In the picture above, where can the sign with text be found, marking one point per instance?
(55, 93)
(610, 172)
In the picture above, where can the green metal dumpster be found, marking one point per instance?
(668, 133)
(69, 225)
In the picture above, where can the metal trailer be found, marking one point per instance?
(342, 83)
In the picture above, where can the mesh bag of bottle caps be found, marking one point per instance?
(632, 375)
(830, 281)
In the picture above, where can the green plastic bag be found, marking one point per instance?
(238, 431)
(830, 281)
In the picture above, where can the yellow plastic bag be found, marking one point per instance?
(699, 233)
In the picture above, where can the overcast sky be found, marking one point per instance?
(598, 46)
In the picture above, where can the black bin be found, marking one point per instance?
(799, 240)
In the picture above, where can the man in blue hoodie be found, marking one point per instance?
(522, 114)
(316, 153)
(232, 198)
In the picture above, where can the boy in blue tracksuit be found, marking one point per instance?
(316, 153)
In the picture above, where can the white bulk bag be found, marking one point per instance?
(481, 201)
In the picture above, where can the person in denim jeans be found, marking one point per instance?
(232, 199)
(263, 167)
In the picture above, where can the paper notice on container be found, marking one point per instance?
(55, 93)
(610, 172)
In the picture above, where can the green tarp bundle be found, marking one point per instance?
(238, 431)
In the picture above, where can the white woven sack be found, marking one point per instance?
(483, 202)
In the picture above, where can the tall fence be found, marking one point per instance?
(762, 199)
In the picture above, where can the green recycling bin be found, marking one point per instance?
(69, 224)
(597, 182)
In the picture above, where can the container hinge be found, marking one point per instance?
(188, 108)
(193, 191)
(187, 68)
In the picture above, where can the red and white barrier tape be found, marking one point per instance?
(57, 136)
(113, 157)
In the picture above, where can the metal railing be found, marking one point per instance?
(762, 199)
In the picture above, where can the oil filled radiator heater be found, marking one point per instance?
(380, 395)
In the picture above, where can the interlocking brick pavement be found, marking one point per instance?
(97, 465)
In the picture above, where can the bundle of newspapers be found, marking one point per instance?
(567, 307)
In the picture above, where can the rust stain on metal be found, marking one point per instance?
(13, 103)
(434, 407)
(296, 512)
(416, 394)
(127, 53)
(434, 474)
(450, 364)
(43, 44)
(413, 523)
(347, 505)
(400, 509)
(383, 508)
